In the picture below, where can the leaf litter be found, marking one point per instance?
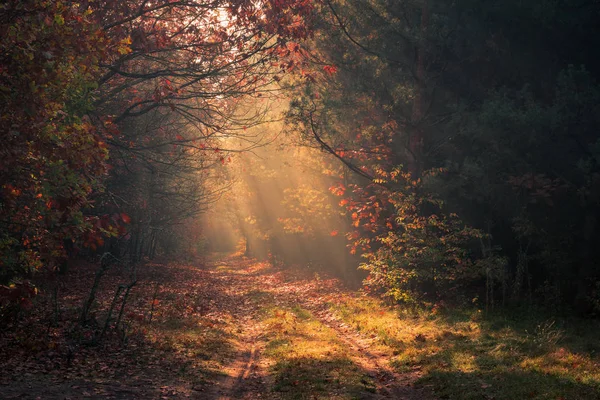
(189, 330)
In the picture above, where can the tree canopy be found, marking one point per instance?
(459, 139)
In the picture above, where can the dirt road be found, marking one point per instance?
(226, 328)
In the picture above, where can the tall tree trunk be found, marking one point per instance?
(415, 140)
(587, 264)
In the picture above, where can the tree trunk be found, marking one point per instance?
(415, 140)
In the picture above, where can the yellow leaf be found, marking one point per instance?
(124, 45)
(124, 49)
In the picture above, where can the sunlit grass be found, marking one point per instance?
(308, 360)
(223, 268)
(466, 356)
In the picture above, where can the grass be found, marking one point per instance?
(307, 359)
(460, 353)
(466, 356)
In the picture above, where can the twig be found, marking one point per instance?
(105, 262)
(153, 301)
(110, 310)
(127, 289)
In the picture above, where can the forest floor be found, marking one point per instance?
(235, 328)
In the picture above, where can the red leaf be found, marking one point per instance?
(330, 69)
(125, 218)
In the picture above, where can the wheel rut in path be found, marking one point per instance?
(243, 378)
(247, 376)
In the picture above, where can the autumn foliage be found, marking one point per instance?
(53, 157)
(77, 83)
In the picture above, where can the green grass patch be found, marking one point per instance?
(466, 356)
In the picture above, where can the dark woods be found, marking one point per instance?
(477, 123)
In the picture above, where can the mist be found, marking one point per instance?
(279, 207)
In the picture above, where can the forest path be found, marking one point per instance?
(226, 328)
(234, 328)
(291, 346)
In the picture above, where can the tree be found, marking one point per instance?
(480, 104)
(53, 157)
(178, 95)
